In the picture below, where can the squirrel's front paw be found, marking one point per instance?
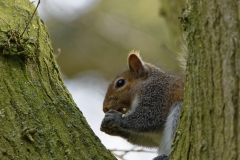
(111, 121)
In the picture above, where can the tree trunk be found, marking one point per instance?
(38, 117)
(209, 126)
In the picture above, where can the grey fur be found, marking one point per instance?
(169, 130)
(150, 123)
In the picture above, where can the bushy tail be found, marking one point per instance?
(182, 56)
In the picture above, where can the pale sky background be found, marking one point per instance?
(66, 10)
(88, 89)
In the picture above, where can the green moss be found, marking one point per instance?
(38, 116)
(13, 44)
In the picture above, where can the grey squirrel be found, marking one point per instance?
(143, 104)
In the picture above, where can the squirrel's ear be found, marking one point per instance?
(135, 62)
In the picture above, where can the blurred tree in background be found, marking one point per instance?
(100, 38)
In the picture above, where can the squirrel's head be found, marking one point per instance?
(121, 91)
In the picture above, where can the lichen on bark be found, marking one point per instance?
(39, 119)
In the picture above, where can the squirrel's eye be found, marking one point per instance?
(120, 83)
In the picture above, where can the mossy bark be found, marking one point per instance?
(38, 117)
(210, 122)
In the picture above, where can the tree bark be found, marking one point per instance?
(38, 117)
(209, 126)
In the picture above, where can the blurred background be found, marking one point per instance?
(95, 37)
